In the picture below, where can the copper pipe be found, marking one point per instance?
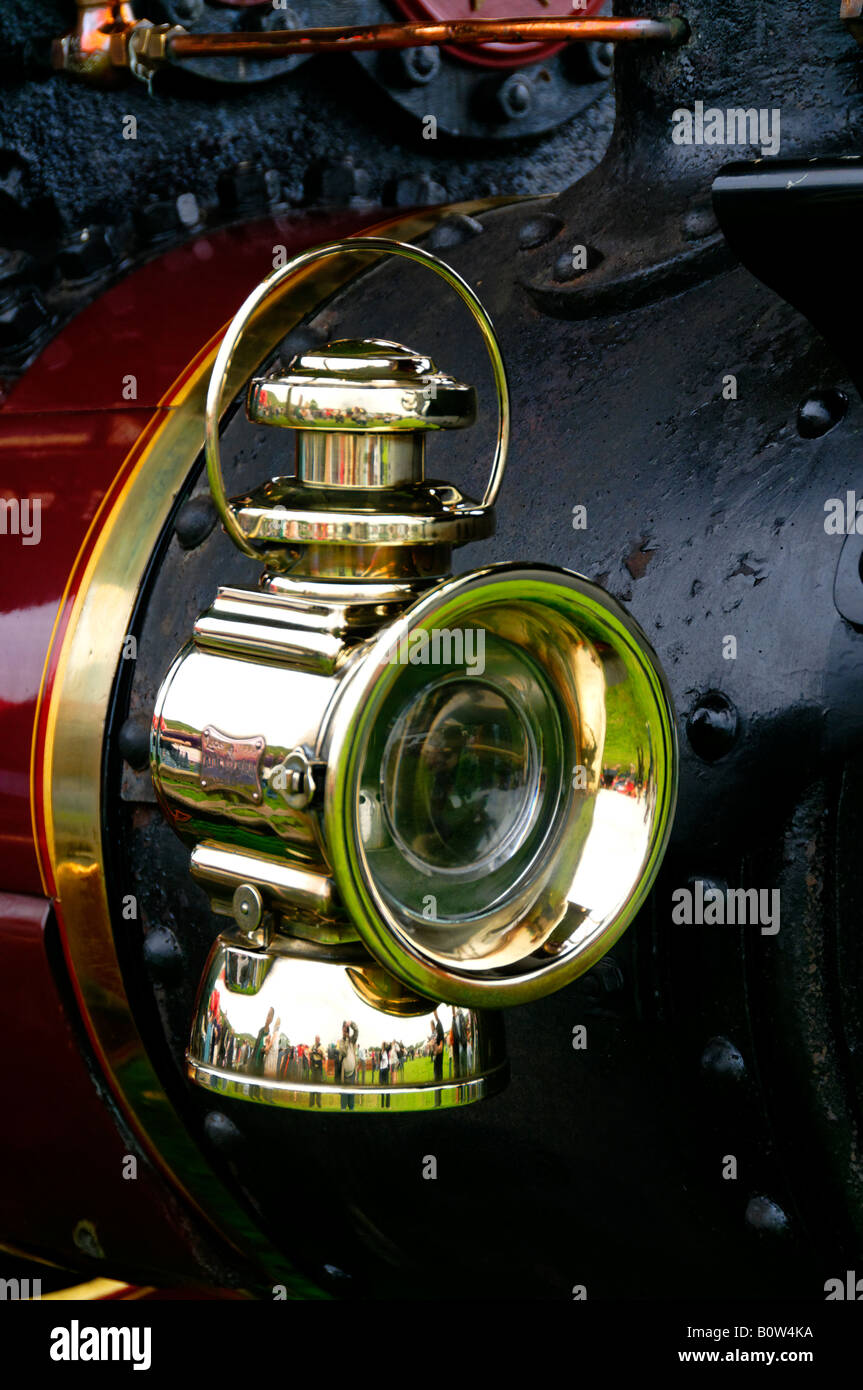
(277, 43)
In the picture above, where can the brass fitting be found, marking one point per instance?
(108, 42)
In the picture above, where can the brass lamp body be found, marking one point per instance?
(397, 784)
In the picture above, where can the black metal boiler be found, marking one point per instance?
(682, 1116)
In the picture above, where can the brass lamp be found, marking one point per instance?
(420, 798)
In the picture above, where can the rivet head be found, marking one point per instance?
(134, 743)
(699, 222)
(820, 412)
(453, 231)
(576, 261)
(762, 1214)
(222, 1132)
(721, 1058)
(712, 726)
(194, 521)
(539, 230)
(163, 954)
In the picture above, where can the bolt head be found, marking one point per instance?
(248, 907)
(515, 97)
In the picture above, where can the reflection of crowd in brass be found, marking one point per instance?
(627, 781)
(346, 1061)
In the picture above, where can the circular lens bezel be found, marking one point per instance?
(577, 620)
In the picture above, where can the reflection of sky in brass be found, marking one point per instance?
(305, 1000)
(612, 859)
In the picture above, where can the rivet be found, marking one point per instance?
(452, 231)
(222, 1132)
(721, 1058)
(195, 520)
(712, 726)
(566, 269)
(762, 1214)
(820, 412)
(539, 230)
(163, 954)
(134, 742)
(600, 58)
(699, 222)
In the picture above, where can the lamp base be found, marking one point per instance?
(304, 1027)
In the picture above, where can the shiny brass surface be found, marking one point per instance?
(419, 564)
(598, 732)
(91, 50)
(298, 515)
(301, 894)
(277, 517)
(302, 1028)
(543, 902)
(366, 461)
(367, 385)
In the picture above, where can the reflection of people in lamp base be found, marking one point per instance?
(458, 1041)
(385, 1074)
(347, 1059)
(211, 1038)
(271, 1050)
(259, 1053)
(437, 1055)
(316, 1072)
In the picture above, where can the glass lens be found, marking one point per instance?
(461, 785)
(459, 776)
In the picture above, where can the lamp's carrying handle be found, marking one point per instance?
(382, 246)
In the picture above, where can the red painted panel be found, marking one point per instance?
(153, 322)
(62, 1156)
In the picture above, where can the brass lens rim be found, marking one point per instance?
(344, 741)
